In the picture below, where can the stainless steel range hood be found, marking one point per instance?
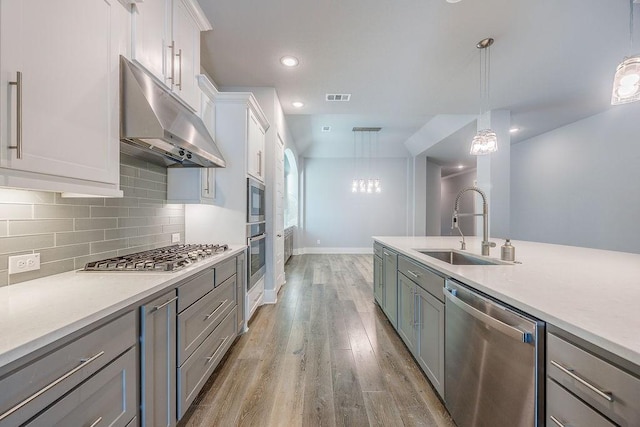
(157, 127)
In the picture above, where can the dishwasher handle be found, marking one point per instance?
(508, 330)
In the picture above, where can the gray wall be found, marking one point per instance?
(71, 232)
(451, 186)
(580, 184)
(342, 219)
(433, 190)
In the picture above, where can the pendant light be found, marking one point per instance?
(360, 184)
(486, 140)
(626, 83)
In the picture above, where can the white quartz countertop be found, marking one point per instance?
(37, 313)
(593, 294)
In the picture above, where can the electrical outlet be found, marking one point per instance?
(318, 242)
(175, 238)
(24, 263)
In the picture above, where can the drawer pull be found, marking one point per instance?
(209, 316)
(555, 420)
(18, 85)
(213, 356)
(415, 275)
(96, 422)
(51, 385)
(164, 304)
(607, 395)
(386, 253)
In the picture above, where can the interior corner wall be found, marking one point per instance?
(419, 196)
(451, 186)
(343, 221)
(432, 198)
(579, 184)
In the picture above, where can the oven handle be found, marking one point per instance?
(258, 237)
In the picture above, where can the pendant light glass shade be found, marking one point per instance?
(365, 185)
(626, 83)
(485, 142)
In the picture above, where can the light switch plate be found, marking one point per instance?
(24, 263)
(175, 238)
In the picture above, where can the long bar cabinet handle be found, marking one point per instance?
(179, 55)
(209, 316)
(607, 395)
(18, 85)
(96, 422)
(213, 356)
(51, 385)
(555, 420)
(164, 304)
(172, 46)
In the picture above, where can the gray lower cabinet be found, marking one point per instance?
(72, 370)
(158, 361)
(585, 388)
(407, 312)
(390, 274)
(108, 398)
(378, 282)
(241, 289)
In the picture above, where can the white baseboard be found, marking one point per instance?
(321, 250)
(298, 251)
(270, 296)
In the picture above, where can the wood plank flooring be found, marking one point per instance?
(324, 355)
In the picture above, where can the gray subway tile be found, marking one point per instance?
(108, 245)
(9, 211)
(4, 228)
(139, 212)
(129, 171)
(157, 195)
(142, 221)
(153, 176)
(36, 226)
(136, 192)
(26, 243)
(128, 160)
(120, 233)
(141, 240)
(60, 211)
(46, 269)
(176, 220)
(9, 195)
(126, 202)
(4, 278)
(109, 212)
(149, 230)
(176, 228)
(79, 237)
(95, 223)
(63, 252)
(134, 249)
(156, 168)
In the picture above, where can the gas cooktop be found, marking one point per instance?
(168, 258)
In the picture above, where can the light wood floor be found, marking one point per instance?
(324, 355)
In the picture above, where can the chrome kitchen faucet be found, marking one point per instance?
(486, 244)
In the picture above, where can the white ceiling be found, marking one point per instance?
(407, 61)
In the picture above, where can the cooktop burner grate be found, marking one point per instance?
(168, 258)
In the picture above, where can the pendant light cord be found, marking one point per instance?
(630, 27)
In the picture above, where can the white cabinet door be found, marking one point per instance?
(67, 53)
(186, 60)
(279, 213)
(151, 35)
(255, 159)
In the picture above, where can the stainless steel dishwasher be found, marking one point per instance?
(494, 359)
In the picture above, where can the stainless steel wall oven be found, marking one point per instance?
(255, 201)
(256, 239)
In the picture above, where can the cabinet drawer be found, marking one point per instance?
(225, 270)
(197, 322)
(566, 409)
(194, 289)
(423, 277)
(592, 379)
(377, 249)
(27, 391)
(108, 398)
(197, 369)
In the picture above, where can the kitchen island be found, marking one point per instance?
(590, 293)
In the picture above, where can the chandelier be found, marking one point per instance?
(365, 183)
(486, 140)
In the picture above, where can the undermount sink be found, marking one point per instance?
(459, 258)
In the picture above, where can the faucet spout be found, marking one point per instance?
(486, 244)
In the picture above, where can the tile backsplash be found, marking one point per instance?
(69, 232)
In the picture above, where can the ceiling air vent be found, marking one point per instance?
(326, 128)
(338, 97)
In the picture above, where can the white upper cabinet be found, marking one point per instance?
(256, 146)
(59, 126)
(166, 41)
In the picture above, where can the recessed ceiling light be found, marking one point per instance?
(289, 61)
(326, 128)
(453, 1)
(460, 166)
(514, 129)
(298, 104)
